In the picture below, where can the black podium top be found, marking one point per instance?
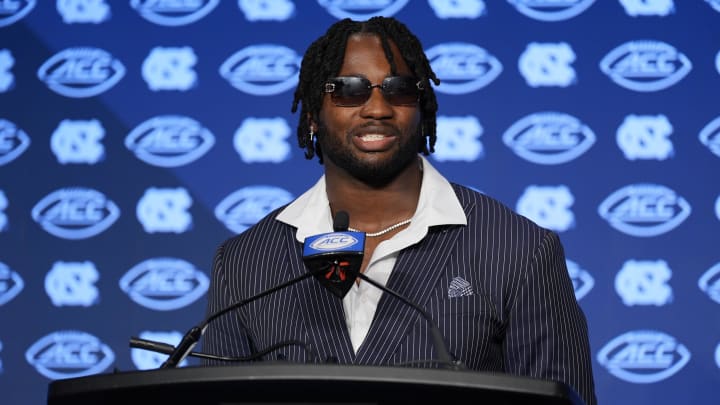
(290, 383)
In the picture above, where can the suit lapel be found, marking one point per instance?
(414, 276)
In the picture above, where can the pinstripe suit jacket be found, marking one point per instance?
(521, 317)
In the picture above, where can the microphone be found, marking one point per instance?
(335, 259)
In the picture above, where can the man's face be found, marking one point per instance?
(375, 141)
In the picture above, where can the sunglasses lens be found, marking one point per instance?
(351, 91)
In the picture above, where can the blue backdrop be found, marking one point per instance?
(135, 136)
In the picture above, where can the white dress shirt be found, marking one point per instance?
(437, 205)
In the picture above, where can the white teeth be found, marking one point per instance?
(372, 137)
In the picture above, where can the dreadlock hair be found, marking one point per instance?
(323, 60)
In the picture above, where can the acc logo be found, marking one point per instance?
(709, 136)
(68, 354)
(549, 138)
(164, 284)
(644, 209)
(10, 284)
(75, 213)
(709, 283)
(463, 67)
(262, 70)
(173, 13)
(13, 141)
(81, 72)
(362, 9)
(169, 141)
(636, 8)
(582, 281)
(643, 356)
(551, 10)
(334, 241)
(246, 206)
(645, 65)
(12, 11)
(147, 360)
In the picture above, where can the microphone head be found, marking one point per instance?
(335, 259)
(341, 221)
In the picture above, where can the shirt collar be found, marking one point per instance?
(437, 205)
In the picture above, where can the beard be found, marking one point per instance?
(376, 173)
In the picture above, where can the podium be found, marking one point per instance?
(307, 384)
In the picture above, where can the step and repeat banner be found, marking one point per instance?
(135, 136)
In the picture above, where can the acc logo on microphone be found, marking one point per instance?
(10, 284)
(173, 13)
(75, 213)
(645, 65)
(246, 206)
(81, 72)
(164, 283)
(13, 141)
(643, 356)
(709, 283)
(709, 136)
(68, 354)
(549, 138)
(644, 209)
(551, 10)
(362, 9)
(582, 281)
(262, 70)
(334, 241)
(463, 67)
(169, 141)
(11, 11)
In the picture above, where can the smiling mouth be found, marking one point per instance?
(372, 137)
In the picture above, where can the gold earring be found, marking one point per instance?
(311, 136)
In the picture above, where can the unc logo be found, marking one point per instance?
(549, 138)
(644, 210)
(173, 13)
(645, 137)
(169, 141)
(170, 69)
(147, 360)
(7, 79)
(709, 283)
(262, 70)
(334, 241)
(462, 67)
(459, 139)
(78, 142)
(362, 9)
(551, 10)
(548, 206)
(445, 9)
(83, 11)
(644, 282)
(81, 72)
(3, 217)
(645, 65)
(69, 354)
(548, 64)
(165, 210)
(13, 141)
(582, 281)
(709, 136)
(267, 10)
(164, 283)
(246, 206)
(636, 8)
(11, 11)
(75, 213)
(10, 284)
(72, 284)
(643, 356)
(263, 140)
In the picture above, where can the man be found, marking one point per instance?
(495, 283)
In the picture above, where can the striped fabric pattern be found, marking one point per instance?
(521, 316)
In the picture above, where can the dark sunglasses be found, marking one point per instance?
(353, 91)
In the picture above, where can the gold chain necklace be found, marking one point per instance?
(384, 231)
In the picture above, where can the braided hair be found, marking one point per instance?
(324, 57)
